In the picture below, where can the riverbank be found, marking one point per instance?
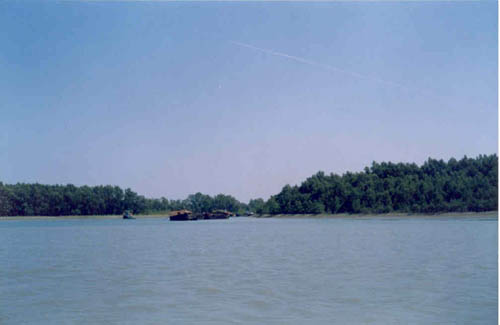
(291, 216)
(393, 215)
(140, 216)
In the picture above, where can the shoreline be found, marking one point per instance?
(281, 216)
(388, 215)
(111, 216)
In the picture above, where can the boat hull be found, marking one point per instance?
(183, 217)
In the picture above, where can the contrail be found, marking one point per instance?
(323, 66)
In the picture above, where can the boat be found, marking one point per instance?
(182, 215)
(219, 214)
(127, 215)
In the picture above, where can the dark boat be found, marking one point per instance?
(182, 215)
(220, 214)
(216, 214)
(127, 215)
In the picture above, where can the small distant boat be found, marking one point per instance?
(127, 215)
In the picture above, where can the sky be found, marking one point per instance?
(240, 98)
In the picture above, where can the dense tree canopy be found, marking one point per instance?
(436, 186)
(54, 200)
(59, 200)
(469, 184)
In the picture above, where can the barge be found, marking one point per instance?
(182, 215)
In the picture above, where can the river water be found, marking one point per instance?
(369, 270)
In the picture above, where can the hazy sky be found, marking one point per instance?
(239, 98)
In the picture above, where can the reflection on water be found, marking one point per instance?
(251, 271)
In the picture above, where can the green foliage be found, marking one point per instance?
(58, 200)
(436, 186)
(271, 206)
(256, 205)
(205, 203)
(54, 200)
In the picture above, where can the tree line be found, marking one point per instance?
(468, 184)
(60, 200)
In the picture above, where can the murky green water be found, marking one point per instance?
(249, 271)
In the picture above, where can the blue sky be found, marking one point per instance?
(171, 99)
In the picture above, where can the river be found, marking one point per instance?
(368, 270)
